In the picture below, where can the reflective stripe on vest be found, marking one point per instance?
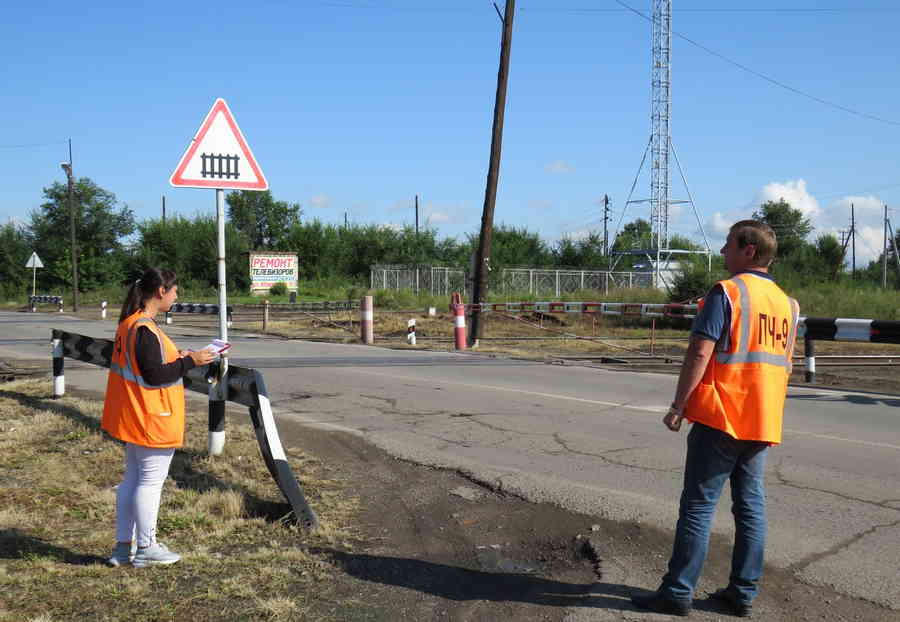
(743, 388)
(743, 354)
(127, 372)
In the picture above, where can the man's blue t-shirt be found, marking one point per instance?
(712, 321)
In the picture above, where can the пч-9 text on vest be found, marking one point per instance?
(743, 390)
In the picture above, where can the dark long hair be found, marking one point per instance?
(145, 288)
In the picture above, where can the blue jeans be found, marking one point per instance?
(713, 457)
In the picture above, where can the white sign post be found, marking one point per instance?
(34, 262)
(219, 157)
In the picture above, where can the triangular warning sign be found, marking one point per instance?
(218, 156)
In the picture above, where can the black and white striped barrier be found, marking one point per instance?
(55, 300)
(245, 386)
(842, 329)
(197, 307)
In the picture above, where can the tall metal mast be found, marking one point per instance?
(660, 110)
(660, 146)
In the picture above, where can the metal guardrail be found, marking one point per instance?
(55, 300)
(634, 309)
(244, 386)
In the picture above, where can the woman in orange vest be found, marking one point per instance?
(144, 408)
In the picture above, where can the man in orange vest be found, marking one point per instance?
(732, 387)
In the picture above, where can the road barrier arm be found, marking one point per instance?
(245, 386)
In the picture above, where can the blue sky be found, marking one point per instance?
(355, 106)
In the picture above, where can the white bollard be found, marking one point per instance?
(103, 310)
(59, 376)
(432, 312)
(411, 332)
(367, 320)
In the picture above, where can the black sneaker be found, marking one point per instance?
(729, 599)
(660, 604)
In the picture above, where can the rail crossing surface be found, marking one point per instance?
(587, 439)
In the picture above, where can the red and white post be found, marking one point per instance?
(459, 326)
(367, 320)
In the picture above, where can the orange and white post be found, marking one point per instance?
(459, 325)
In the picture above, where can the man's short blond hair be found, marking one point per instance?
(760, 235)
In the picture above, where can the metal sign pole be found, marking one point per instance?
(220, 226)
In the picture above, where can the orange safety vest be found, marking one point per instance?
(743, 389)
(136, 411)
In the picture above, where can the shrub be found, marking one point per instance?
(279, 289)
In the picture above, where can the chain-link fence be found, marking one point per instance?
(435, 280)
(442, 281)
(556, 282)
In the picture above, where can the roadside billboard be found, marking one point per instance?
(270, 267)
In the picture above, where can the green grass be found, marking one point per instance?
(240, 562)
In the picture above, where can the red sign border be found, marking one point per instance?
(177, 179)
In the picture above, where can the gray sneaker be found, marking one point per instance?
(122, 554)
(153, 555)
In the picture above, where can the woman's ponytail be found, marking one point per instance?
(144, 288)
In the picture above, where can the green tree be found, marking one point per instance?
(261, 218)
(635, 234)
(586, 252)
(514, 246)
(830, 255)
(101, 224)
(189, 247)
(790, 225)
(14, 253)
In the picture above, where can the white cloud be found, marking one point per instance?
(540, 204)
(320, 201)
(578, 234)
(435, 217)
(831, 219)
(794, 192)
(559, 166)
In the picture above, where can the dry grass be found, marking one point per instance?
(57, 508)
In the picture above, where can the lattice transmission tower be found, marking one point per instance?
(660, 115)
(660, 147)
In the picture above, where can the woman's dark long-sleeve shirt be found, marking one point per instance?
(149, 357)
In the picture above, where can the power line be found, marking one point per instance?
(33, 145)
(765, 77)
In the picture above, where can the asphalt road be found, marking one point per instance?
(588, 439)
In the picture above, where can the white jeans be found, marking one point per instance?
(137, 497)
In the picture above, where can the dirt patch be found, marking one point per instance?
(430, 553)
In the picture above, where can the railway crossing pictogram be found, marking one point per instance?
(219, 156)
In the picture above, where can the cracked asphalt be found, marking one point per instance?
(586, 439)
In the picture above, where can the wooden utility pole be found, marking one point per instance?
(417, 217)
(70, 190)
(884, 251)
(853, 234)
(164, 210)
(483, 256)
(605, 221)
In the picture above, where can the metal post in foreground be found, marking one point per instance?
(809, 352)
(59, 376)
(218, 392)
(367, 320)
